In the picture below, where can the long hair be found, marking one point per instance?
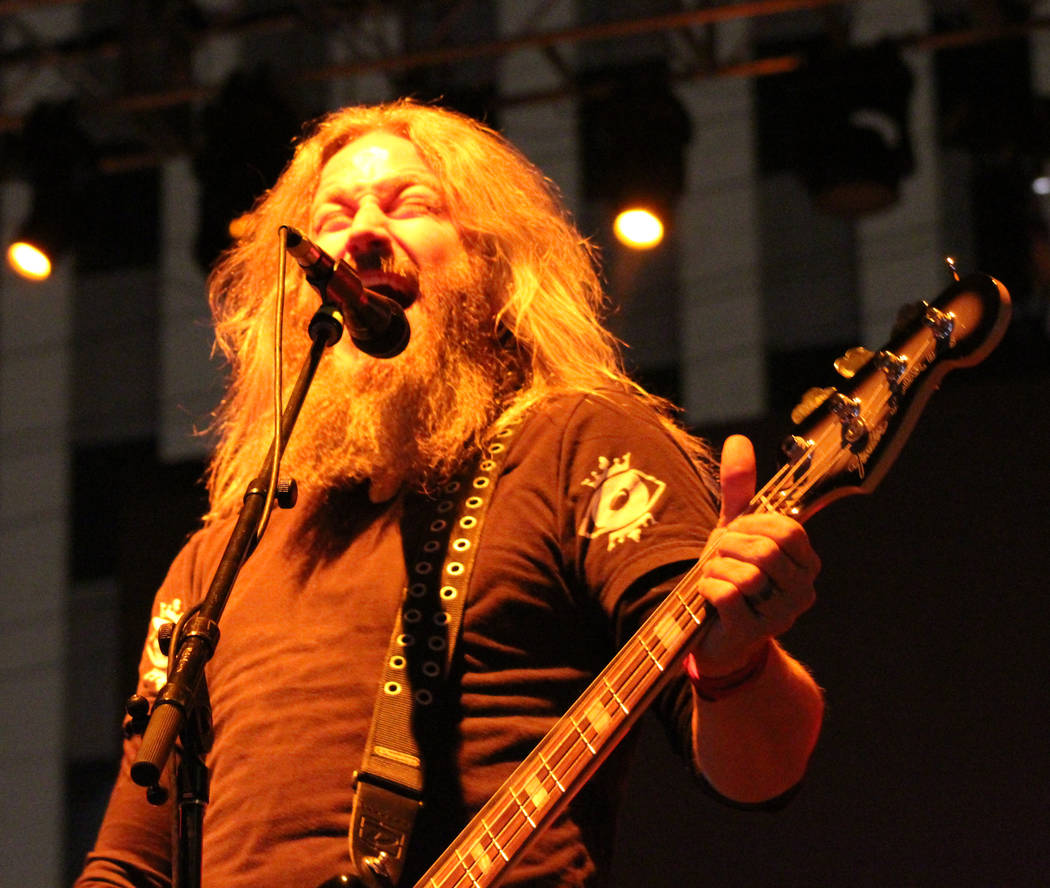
(544, 273)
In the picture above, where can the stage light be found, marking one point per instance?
(633, 133)
(43, 238)
(638, 228)
(28, 261)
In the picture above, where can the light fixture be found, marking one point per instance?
(28, 260)
(42, 239)
(854, 137)
(55, 156)
(633, 133)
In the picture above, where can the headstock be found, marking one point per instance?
(847, 438)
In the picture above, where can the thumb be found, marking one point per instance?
(738, 477)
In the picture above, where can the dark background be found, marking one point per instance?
(930, 636)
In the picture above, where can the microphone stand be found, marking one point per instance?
(181, 712)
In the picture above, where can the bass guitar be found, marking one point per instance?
(844, 442)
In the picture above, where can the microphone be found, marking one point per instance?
(376, 323)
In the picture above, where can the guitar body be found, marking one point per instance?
(843, 445)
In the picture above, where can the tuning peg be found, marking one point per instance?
(848, 365)
(951, 264)
(811, 400)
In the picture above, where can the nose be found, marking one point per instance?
(368, 240)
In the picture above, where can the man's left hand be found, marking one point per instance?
(758, 574)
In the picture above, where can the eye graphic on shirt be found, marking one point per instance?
(622, 502)
(156, 676)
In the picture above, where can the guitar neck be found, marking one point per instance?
(545, 782)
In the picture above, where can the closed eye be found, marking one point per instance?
(414, 202)
(333, 218)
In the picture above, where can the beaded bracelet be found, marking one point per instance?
(715, 687)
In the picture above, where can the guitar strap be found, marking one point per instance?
(388, 788)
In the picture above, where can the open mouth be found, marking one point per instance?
(397, 287)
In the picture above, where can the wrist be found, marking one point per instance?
(715, 687)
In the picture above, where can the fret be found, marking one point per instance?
(615, 696)
(579, 730)
(466, 868)
(649, 651)
(521, 807)
(492, 838)
(685, 603)
(550, 770)
(626, 679)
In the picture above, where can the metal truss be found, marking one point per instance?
(372, 39)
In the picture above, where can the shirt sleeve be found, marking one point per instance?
(637, 508)
(133, 848)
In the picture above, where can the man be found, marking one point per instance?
(601, 503)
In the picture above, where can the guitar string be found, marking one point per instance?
(512, 815)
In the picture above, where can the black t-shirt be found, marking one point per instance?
(594, 505)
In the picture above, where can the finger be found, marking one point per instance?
(778, 565)
(789, 536)
(749, 605)
(738, 477)
(738, 625)
(774, 591)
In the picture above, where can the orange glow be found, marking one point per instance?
(28, 261)
(638, 228)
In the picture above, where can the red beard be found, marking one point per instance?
(408, 419)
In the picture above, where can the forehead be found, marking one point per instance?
(374, 157)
